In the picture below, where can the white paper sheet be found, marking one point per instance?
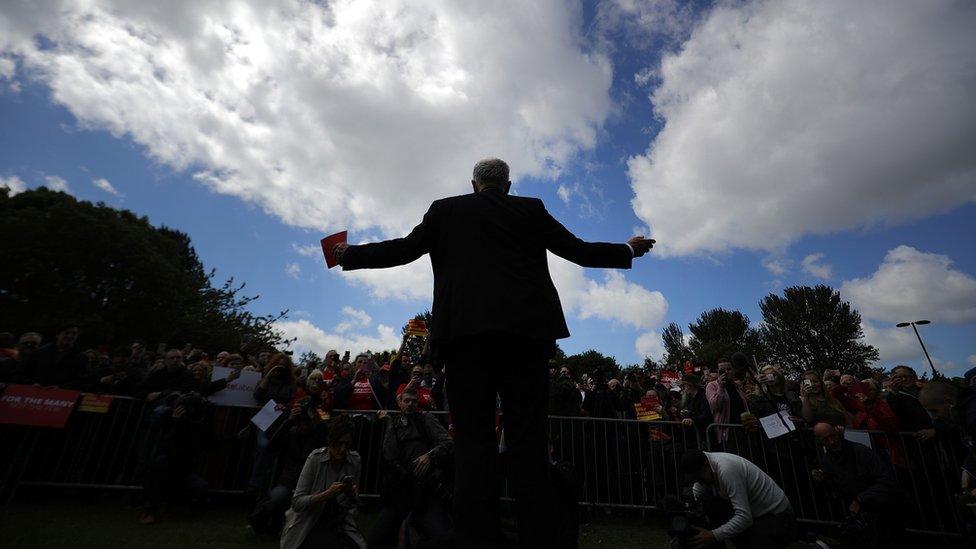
(777, 425)
(859, 437)
(266, 416)
(238, 392)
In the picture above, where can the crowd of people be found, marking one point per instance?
(305, 475)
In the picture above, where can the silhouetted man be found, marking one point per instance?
(496, 317)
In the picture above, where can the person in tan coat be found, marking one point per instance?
(324, 503)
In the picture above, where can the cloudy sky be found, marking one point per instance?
(764, 144)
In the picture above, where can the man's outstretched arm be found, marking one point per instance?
(568, 246)
(389, 253)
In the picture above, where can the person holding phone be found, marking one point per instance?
(726, 399)
(818, 403)
(776, 397)
(326, 495)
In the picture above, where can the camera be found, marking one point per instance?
(683, 514)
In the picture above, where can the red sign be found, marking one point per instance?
(417, 327)
(97, 404)
(37, 406)
(670, 377)
(646, 409)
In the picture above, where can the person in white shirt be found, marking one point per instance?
(761, 515)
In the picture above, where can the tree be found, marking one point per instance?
(415, 345)
(310, 359)
(118, 276)
(676, 351)
(810, 328)
(720, 333)
(593, 363)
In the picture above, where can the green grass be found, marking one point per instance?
(89, 519)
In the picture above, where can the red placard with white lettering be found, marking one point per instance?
(670, 377)
(36, 406)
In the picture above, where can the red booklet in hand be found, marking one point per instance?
(328, 247)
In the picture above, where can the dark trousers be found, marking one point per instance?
(516, 369)
(433, 522)
(769, 531)
(168, 480)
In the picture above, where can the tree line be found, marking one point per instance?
(118, 276)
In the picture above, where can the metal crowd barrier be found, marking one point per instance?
(927, 473)
(619, 463)
(110, 450)
(616, 463)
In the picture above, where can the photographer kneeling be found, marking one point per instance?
(326, 496)
(733, 489)
(417, 449)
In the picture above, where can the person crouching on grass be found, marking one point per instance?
(326, 496)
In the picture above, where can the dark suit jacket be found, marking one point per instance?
(488, 252)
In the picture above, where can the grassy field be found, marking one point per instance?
(107, 521)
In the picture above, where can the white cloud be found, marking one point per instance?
(622, 301)
(812, 266)
(104, 185)
(911, 285)
(615, 299)
(789, 118)
(645, 24)
(293, 270)
(55, 183)
(776, 265)
(894, 344)
(7, 68)
(312, 338)
(650, 344)
(14, 183)
(414, 281)
(352, 113)
(354, 318)
(307, 250)
(564, 193)
(971, 360)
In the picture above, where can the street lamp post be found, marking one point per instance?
(920, 342)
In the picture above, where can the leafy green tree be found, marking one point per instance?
(593, 363)
(118, 276)
(676, 351)
(812, 328)
(309, 359)
(720, 333)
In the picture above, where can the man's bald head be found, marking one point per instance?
(938, 398)
(828, 435)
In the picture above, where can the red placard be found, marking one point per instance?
(670, 377)
(37, 406)
(646, 409)
(328, 247)
(96, 404)
(417, 327)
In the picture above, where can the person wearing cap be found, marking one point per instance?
(732, 488)
(693, 407)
